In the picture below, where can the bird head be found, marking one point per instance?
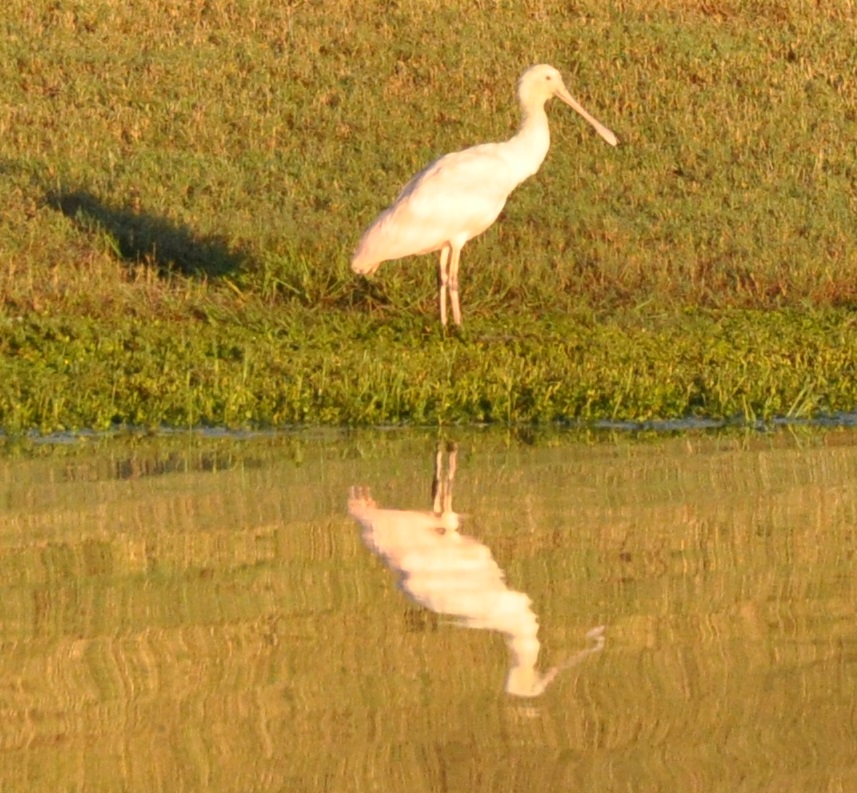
(540, 83)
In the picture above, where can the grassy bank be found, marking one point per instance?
(181, 184)
(310, 368)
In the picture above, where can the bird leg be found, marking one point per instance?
(453, 284)
(441, 486)
(442, 279)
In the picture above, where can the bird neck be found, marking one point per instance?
(531, 143)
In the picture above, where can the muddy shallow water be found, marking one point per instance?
(372, 612)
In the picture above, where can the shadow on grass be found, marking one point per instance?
(142, 238)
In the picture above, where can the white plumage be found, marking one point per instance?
(459, 195)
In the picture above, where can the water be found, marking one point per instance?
(660, 613)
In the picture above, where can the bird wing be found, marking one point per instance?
(450, 201)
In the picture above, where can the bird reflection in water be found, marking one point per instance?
(456, 575)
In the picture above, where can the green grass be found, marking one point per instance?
(181, 185)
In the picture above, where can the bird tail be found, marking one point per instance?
(363, 262)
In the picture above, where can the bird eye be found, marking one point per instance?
(547, 77)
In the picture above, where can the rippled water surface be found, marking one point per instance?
(378, 612)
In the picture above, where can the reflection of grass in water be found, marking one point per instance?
(211, 170)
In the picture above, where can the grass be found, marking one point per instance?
(181, 185)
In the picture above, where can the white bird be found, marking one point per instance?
(456, 576)
(459, 195)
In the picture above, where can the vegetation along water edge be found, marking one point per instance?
(181, 187)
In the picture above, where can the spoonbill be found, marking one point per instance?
(454, 575)
(459, 195)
